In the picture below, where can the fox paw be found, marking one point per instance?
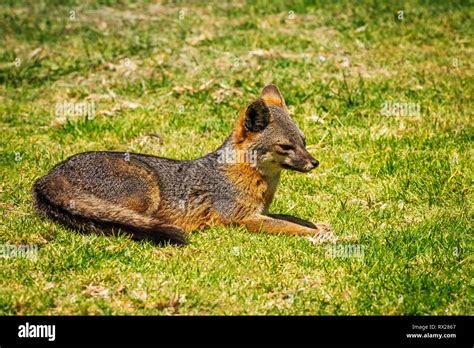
(323, 234)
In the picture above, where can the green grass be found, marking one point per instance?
(401, 184)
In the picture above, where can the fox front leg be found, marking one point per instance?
(286, 224)
(294, 219)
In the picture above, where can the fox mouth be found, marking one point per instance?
(298, 169)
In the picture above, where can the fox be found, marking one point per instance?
(162, 200)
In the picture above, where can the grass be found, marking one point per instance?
(401, 184)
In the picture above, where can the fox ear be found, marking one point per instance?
(272, 96)
(257, 116)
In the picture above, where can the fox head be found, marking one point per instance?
(267, 130)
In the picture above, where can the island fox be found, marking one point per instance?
(161, 199)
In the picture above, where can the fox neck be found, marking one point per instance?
(238, 159)
(272, 178)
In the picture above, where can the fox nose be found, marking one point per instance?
(314, 163)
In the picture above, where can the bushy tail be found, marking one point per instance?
(88, 213)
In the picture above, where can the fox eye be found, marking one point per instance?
(286, 147)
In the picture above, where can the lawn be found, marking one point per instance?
(383, 92)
